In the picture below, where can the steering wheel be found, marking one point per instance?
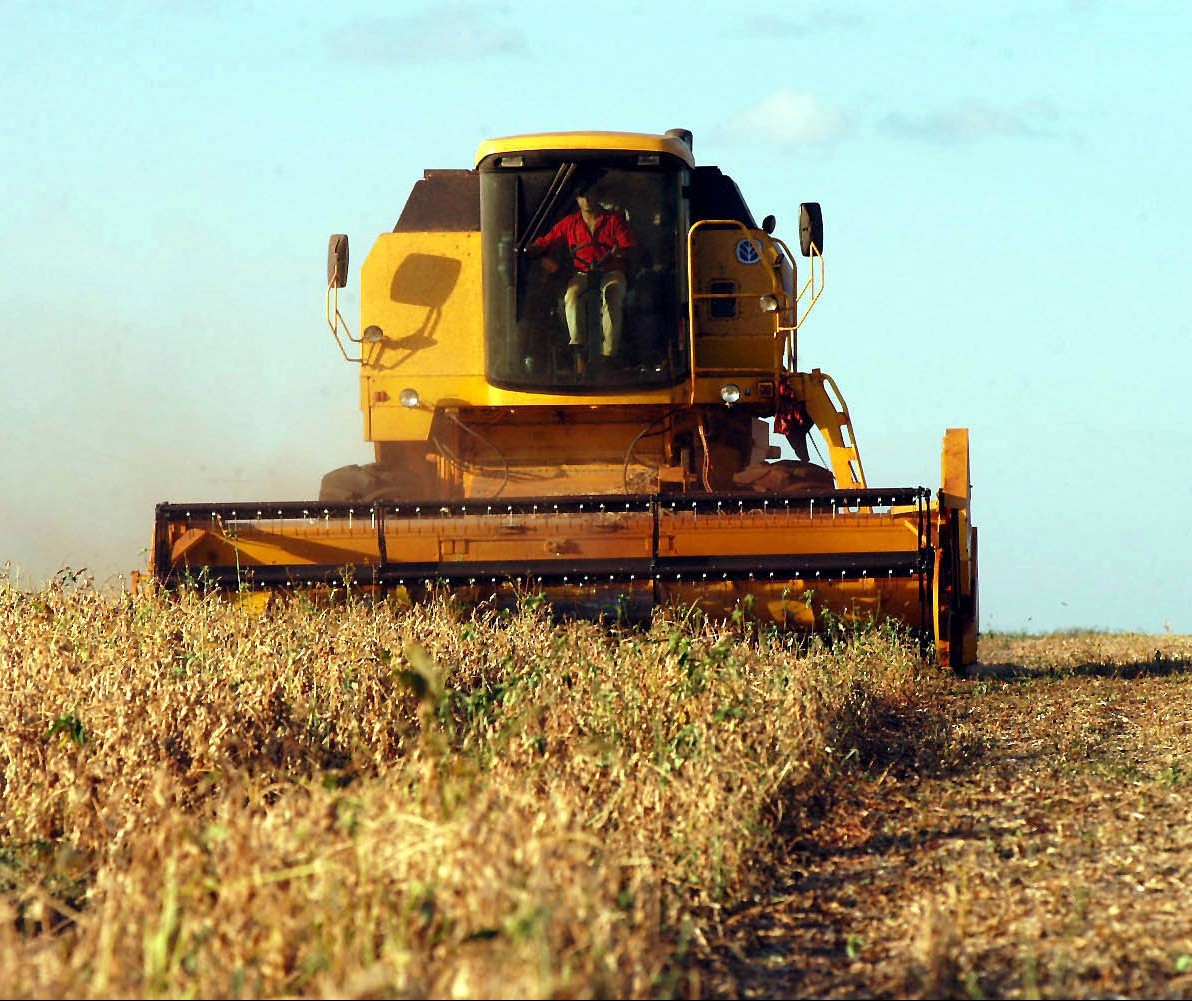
(596, 265)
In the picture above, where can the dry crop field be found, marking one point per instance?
(354, 800)
(359, 801)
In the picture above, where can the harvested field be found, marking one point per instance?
(364, 801)
(1025, 834)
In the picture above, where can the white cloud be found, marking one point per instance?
(445, 32)
(789, 118)
(972, 121)
(770, 25)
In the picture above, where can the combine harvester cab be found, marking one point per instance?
(573, 358)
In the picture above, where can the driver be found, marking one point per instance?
(597, 241)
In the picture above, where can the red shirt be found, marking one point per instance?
(588, 248)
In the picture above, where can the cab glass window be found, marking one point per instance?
(584, 289)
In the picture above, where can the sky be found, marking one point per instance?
(1006, 194)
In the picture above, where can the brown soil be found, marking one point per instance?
(1022, 832)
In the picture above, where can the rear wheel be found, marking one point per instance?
(370, 482)
(785, 476)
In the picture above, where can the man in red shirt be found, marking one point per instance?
(598, 242)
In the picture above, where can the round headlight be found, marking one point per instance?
(373, 334)
(730, 393)
(768, 303)
(409, 398)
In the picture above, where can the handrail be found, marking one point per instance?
(335, 320)
(790, 329)
(810, 284)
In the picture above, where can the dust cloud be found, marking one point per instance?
(82, 482)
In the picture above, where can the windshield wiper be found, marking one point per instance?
(547, 205)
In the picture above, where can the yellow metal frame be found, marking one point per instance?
(693, 297)
(826, 407)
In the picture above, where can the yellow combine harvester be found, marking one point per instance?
(570, 358)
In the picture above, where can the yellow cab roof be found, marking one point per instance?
(633, 142)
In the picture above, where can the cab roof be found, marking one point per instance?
(629, 142)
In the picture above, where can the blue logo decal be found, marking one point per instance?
(747, 252)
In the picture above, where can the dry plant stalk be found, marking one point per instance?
(360, 800)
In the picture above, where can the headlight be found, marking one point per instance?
(409, 398)
(373, 334)
(768, 303)
(730, 393)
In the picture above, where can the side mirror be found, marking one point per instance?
(811, 228)
(769, 224)
(337, 261)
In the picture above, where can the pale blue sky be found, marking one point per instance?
(1005, 194)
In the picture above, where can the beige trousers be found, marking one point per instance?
(612, 301)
